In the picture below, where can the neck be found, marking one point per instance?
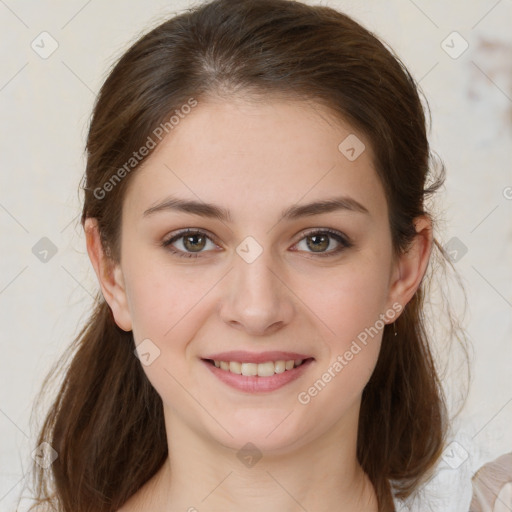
(203, 476)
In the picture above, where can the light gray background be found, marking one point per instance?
(46, 104)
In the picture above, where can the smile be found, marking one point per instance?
(266, 369)
(255, 373)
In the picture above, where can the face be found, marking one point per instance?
(261, 276)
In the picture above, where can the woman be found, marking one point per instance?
(255, 213)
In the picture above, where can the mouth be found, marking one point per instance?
(266, 369)
(252, 373)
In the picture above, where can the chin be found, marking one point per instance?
(273, 432)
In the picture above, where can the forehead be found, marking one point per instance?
(254, 157)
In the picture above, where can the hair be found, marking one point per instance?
(107, 422)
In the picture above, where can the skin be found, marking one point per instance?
(256, 159)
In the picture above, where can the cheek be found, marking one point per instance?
(348, 300)
(162, 299)
(165, 305)
(352, 312)
(350, 304)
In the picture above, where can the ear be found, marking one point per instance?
(109, 275)
(410, 267)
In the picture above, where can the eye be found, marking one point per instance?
(190, 240)
(320, 241)
(193, 241)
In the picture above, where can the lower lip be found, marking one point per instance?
(258, 384)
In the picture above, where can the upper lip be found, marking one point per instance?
(253, 357)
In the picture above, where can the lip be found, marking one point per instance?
(256, 384)
(256, 357)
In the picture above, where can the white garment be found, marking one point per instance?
(449, 490)
(461, 489)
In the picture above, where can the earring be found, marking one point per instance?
(394, 328)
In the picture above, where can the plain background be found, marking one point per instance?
(45, 106)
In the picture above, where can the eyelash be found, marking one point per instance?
(339, 237)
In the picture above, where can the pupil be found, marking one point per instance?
(194, 246)
(321, 245)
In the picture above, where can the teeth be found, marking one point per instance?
(266, 369)
(279, 366)
(261, 370)
(249, 369)
(235, 367)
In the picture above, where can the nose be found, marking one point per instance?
(257, 299)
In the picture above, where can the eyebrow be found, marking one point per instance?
(293, 212)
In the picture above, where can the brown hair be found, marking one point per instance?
(107, 422)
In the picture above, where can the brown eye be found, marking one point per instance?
(318, 242)
(194, 243)
(188, 243)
